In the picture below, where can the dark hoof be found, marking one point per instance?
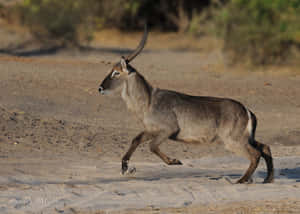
(242, 181)
(268, 180)
(175, 162)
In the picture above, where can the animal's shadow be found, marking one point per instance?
(289, 173)
(151, 175)
(52, 50)
(144, 176)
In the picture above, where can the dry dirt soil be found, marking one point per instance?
(50, 110)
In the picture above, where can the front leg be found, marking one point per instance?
(154, 147)
(142, 137)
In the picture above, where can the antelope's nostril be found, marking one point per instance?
(101, 89)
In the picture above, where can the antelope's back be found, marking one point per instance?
(203, 117)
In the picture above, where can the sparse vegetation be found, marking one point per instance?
(63, 21)
(260, 31)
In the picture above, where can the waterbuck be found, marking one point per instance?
(168, 114)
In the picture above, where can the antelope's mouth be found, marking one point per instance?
(104, 91)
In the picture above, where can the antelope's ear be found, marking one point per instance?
(124, 65)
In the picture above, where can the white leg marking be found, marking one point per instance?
(249, 125)
(130, 171)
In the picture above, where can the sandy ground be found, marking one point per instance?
(61, 141)
(69, 185)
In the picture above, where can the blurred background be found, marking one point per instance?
(259, 32)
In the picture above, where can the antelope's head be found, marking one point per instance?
(121, 70)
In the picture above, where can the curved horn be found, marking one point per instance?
(140, 47)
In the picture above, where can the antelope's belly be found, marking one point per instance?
(196, 135)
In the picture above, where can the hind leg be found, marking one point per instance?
(254, 156)
(266, 154)
(242, 147)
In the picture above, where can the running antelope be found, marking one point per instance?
(168, 114)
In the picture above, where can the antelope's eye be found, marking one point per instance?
(115, 73)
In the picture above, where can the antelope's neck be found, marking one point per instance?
(137, 94)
